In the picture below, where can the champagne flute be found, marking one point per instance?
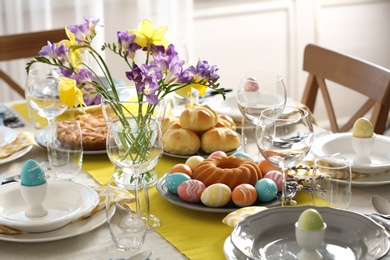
(135, 145)
(256, 92)
(284, 139)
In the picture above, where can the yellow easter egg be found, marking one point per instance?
(362, 128)
(216, 195)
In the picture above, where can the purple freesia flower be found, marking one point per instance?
(49, 50)
(81, 32)
(204, 71)
(127, 44)
(135, 74)
(185, 77)
(84, 76)
(92, 22)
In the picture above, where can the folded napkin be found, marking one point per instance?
(236, 216)
(23, 140)
(120, 195)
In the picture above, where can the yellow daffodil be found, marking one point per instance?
(184, 92)
(70, 94)
(75, 55)
(147, 34)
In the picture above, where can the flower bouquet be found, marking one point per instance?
(161, 73)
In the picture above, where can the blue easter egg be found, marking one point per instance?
(266, 190)
(32, 174)
(174, 180)
(241, 154)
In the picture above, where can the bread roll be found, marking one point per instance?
(181, 141)
(168, 122)
(198, 118)
(225, 120)
(220, 139)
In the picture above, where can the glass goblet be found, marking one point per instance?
(256, 92)
(65, 149)
(284, 139)
(134, 146)
(331, 182)
(42, 93)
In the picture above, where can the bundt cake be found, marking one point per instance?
(229, 170)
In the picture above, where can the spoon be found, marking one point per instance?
(381, 205)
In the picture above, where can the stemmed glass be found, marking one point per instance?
(284, 138)
(256, 92)
(135, 145)
(42, 93)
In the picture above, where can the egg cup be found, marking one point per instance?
(34, 196)
(362, 147)
(309, 241)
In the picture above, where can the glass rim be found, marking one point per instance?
(340, 162)
(305, 113)
(247, 76)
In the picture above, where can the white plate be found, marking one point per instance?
(7, 135)
(230, 207)
(341, 144)
(16, 155)
(349, 234)
(65, 202)
(70, 230)
(40, 138)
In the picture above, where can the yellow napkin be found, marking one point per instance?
(120, 195)
(23, 140)
(236, 216)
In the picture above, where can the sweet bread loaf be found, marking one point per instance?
(168, 122)
(229, 170)
(225, 120)
(198, 118)
(219, 139)
(181, 141)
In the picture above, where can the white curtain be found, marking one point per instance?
(19, 16)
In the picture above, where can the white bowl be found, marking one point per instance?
(65, 201)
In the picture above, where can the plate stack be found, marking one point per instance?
(65, 202)
(271, 233)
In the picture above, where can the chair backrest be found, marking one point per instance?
(25, 45)
(371, 80)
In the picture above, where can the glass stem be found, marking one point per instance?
(284, 186)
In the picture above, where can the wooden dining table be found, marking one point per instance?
(184, 233)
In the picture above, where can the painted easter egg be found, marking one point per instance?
(32, 174)
(266, 189)
(193, 161)
(217, 154)
(244, 195)
(174, 180)
(362, 128)
(191, 190)
(183, 168)
(244, 155)
(216, 195)
(276, 176)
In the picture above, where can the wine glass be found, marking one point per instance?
(134, 146)
(65, 149)
(42, 93)
(256, 92)
(284, 139)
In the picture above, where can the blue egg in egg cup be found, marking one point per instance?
(33, 187)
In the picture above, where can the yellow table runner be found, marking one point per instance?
(178, 224)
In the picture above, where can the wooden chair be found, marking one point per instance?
(361, 76)
(25, 45)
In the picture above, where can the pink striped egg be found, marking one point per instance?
(244, 195)
(276, 176)
(216, 195)
(191, 190)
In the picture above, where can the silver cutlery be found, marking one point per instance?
(381, 205)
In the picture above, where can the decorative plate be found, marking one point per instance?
(269, 232)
